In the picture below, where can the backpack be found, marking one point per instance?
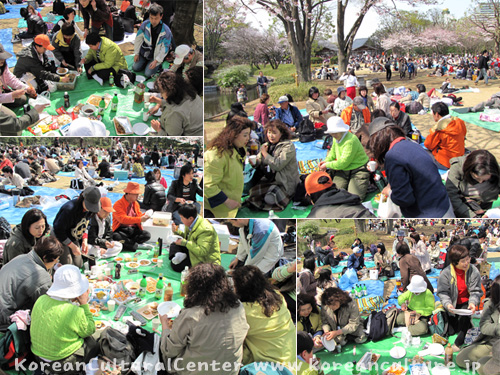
(306, 131)
(327, 143)
(438, 323)
(14, 345)
(414, 107)
(5, 230)
(114, 344)
(391, 315)
(377, 326)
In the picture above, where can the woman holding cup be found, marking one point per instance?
(277, 175)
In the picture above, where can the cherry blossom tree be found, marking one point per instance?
(485, 14)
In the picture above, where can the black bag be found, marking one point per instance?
(76, 184)
(128, 24)
(327, 144)
(118, 29)
(414, 107)
(306, 131)
(377, 326)
(438, 323)
(114, 344)
(320, 132)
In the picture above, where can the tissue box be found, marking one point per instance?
(223, 234)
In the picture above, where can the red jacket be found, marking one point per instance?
(347, 114)
(447, 139)
(120, 216)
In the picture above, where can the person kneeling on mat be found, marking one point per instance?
(199, 240)
(12, 178)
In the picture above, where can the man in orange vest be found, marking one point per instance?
(356, 115)
(128, 219)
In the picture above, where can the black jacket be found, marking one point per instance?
(104, 170)
(100, 15)
(28, 62)
(404, 122)
(175, 191)
(483, 62)
(338, 203)
(36, 25)
(154, 196)
(94, 238)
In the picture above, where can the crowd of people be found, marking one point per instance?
(327, 312)
(179, 81)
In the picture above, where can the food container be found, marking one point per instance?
(88, 110)
(223, 234)
(62, 71)
(368, 360)
(61, 86)
(162, 218)
(96, 99)
(122, 125)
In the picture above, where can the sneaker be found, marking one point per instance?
(16, 39)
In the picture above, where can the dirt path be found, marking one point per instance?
(477, 137)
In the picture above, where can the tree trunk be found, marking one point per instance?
(360, 225)
(342, 61)
(389, 224)
(183, 25)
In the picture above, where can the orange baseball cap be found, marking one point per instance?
(312, 184)
(106, 204)
(44, 41)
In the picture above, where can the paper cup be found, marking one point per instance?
(38, 132)
(111, 305)
(147, 97)
(145, 116)
(372, 166)
(155, 323)
(108, 271)
(252, 159)
(159, 264)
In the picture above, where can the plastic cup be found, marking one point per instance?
(252, 159)
(111, 305)
(372, 166)
(108, 271)
(38, 132)
(155, 323)
(159, 264)
(147, 97)
(145, 116)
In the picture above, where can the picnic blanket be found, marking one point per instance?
(22, 22)
(473, 118)
(5, 39)
(85, 88)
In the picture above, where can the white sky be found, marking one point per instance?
(456, 7)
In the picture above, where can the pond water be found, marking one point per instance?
(217, 102)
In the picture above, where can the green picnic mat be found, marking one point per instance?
(85, 88)
(22, 22)
(473, 118)
(382, 347)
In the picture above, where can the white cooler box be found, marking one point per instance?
(157, 231)
(223, 234)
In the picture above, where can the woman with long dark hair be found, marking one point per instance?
(309, 318)
(182, 108)
(271, 337)
(183, 190)
(325, 280)
(414, 181)
(224, 161)
(383, 261)
(307, 279)
(210, 327)
(481, 348)
(25, 235)
(473, 183)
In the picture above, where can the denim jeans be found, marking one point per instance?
(143, 63)
(107, 29)
(484, 74)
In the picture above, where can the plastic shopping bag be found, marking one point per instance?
(387, 209)
(348, 279)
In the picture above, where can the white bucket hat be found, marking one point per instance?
(336, 125)
(68, 283)
(181, 52)
(417, 284)
(357, 250)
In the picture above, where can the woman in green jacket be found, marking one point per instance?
(309, 318)
(224, 163)
(473, 183)
(272, 335)
(417, 305)
(347, 159)
(61, 322)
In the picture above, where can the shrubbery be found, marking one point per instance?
(233, 76)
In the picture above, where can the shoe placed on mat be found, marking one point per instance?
(15, 39)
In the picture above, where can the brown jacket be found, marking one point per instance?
(410, 266)
(346, 317)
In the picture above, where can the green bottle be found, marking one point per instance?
(102, 106)
(355, 370)
(111, 80)
(159, 288)
(114, 103)
(143, 286)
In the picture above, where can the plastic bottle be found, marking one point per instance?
(114, 103)
(184, 275)
(272, 215)
(66, 100)
(169, 293)
(365, 292)
(102, 106)
(355, 370)
(118, 269)
(253, 146)
(156, 250)
(143, 286)
(111, 80)
(448, 355)
(159, 288)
